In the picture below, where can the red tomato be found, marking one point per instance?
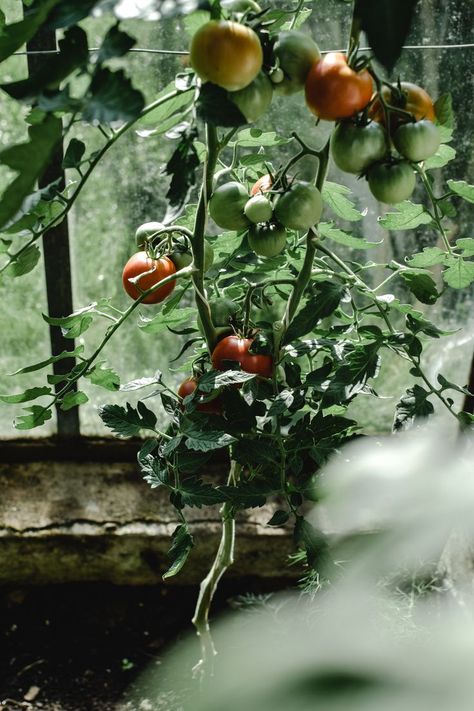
(334, 90)
(213, 407)
(263, 185)
(140, 263)
(237, 349)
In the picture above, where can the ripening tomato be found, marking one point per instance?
(234, 348)
(158, 269)
(334, 90)
(226, 53)
(391, 182)
(413, 99)
(417, 141)
(212, 407)
(354, 148)
(262, 185)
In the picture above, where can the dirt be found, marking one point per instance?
(88, 647)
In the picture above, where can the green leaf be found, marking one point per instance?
(29, 160)
(335, 197)
(74, 153)
(104, 377)
(182, 168)
(312, 540)
(182, 543)
(214, 379)
(13, 36)
(112, 98)
(444, 110)
(325, 301)
(214, 106)
(386, 24)
(194, 493)
(155, 473)
(54, 359)
(73, 399)
(341, 237)
(37, 417)
(115, 44)
(408, 216)
(427, 258)
(162, 320)
(141, 383)
(255, 138)
(413, 405)
(447, 385)
(282, 402)
(442, 157)
(279, 518)
(463, 189)
(127, 422)
(163, 112)
(69, 12)
(247, 494)
(195, 20)
(459, 273)
(75, 324)
(26, 396)
(423, 286)
(466, 244)
(25, 262)
(202, 437)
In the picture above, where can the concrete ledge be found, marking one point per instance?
(66, 521)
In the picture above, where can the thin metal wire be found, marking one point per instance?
(324, 51)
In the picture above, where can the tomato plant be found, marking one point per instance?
(153, 270)
(280, 331)
(334, 90)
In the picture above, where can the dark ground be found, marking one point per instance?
(85, 647)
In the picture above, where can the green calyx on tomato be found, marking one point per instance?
(300, 207)
(254, 100)
(267, 239)
(294, 53)
(226, 206)
(258, 209)
(417, 141)
(182, 257)
(223, 314)
(392, 182)
(240, 5)
(153, 270)
(145, 231)
(234, 349)
(354, 148)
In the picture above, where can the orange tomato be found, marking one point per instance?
(262, 185)
(334, 90)
(414, 99)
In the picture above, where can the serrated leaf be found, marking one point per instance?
(413, 405)
(444, 110)
(73, 399)
(74, 153)
(126, 422)
(408, 216)
(423, 286)
(208, 440)
(195, 493)
(104, 377)
(459, 273)
(155, 473)
(335, 197)
(216, 107)
(112, 98)
(195, 20)
(463, 189)
(323, 303)
(26, 396)
(311, 539)
(139, 383)
(341, 237)
(13, 36)
(466, 245)
(215, 379)
(182, 168)
(182, 543)
(279, 518)
(282, 402)
(37, 417)
(29, 160)
(163, 320)
(247, 493)
(442, 157)
(174, 105)
(255, 138)
(427, 258)
(116, 43)
(54, 359)
(448, 385)
(69, 12)
(25, 262)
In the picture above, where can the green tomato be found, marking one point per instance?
(295, 53)
(391, 182)
(417, 141)
(300, 207)
(277, 75)
(148, 229)
(258, 209)
(223, 311)
(182, 257)
(254, 100)
(355, 148)
(226, 206)
(268, 239)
